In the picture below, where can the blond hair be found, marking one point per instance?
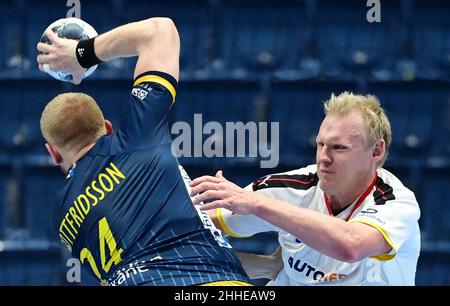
(374, 117)
(72, 121)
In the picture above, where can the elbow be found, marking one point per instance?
(350, 256)
(161, 25)
(351, 251)
(159, 31)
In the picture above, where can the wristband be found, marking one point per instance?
(85, 53)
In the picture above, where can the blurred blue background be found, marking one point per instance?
(255, 60)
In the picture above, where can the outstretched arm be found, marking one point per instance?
(155, 41)
(331, 236)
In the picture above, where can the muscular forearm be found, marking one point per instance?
(130, 39)
(326, 234)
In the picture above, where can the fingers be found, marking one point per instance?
(46, 68)
(219, 174)
(214, 205)
(45, 65)
(43, 58)
(52, 36)
(53, 66)
(44, 48)
(203, 187)
(205, 178)
(47, 51)
(209, 195)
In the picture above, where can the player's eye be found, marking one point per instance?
(339, 147)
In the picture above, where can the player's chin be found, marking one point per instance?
(325, 184)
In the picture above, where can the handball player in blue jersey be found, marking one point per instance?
(124, 207)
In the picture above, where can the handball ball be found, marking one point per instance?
(71, 28)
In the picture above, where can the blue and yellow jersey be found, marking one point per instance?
(125, 211)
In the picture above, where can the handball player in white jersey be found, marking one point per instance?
(343, 221)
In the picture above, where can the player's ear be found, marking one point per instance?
(109, 127)
(56, 157)
(379, 150)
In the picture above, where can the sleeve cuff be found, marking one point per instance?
(381, 257)
(225, 227)
(161, 78)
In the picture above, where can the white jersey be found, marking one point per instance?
(387, 205)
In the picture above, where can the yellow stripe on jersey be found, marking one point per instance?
(381, 257)
(225, 226)
(160, 81)
(226, 283)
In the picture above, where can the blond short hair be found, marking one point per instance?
(72, 121)
(375, 120)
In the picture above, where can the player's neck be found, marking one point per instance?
(339, 202)
(73, 157)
